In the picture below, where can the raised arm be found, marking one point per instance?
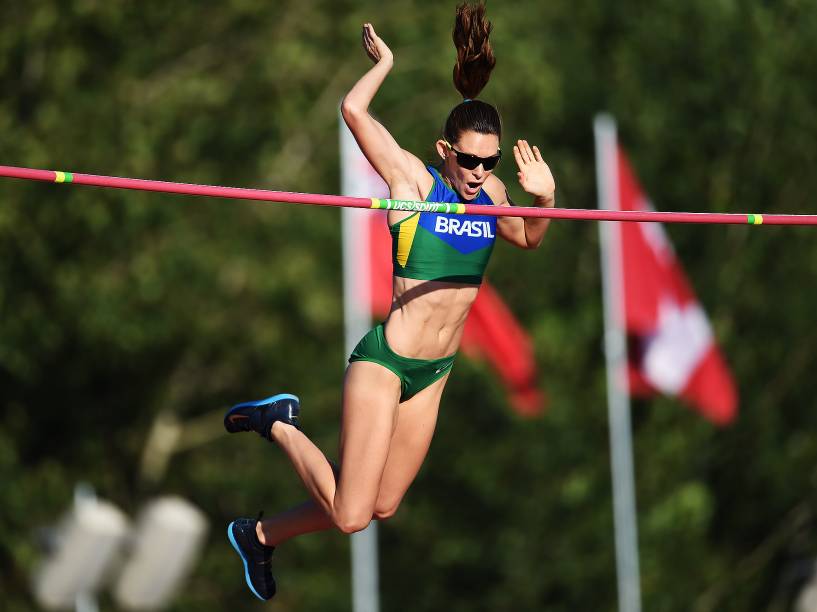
(395, 165)
(536, 179)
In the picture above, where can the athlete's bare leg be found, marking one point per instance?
(416, 420)
(368, 423)
(308, 517)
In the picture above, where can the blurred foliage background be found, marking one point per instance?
(122, 310)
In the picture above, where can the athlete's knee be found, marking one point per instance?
(382, 515)
(352, 521)
(353, 525)
(385, 509)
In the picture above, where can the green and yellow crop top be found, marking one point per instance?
(452, 248)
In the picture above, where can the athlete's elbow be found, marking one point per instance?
(526, 244)
(350, 110)
(533, 240)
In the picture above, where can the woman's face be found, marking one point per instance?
(468, 182)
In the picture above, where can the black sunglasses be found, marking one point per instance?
(469, 162)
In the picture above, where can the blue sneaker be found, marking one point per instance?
(255, 556)
(259, 416)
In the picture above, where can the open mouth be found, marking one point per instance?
(474, 185)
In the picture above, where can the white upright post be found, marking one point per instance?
(357, 318)
(615, 350)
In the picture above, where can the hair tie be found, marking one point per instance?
(464, 100)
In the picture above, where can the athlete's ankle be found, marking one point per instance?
(259, 533)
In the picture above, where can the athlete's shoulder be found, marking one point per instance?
(495, 189)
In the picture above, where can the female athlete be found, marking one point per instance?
(397, 372)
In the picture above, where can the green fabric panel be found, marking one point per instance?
(414, 374)
(432, 259)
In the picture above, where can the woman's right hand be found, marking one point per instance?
(374, 46)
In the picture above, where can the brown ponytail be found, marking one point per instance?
(475, 58)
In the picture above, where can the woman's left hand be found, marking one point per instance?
(376, 49)
(534, 174)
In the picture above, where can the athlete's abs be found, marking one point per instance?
(427, 317)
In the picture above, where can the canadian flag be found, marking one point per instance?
(671, 347)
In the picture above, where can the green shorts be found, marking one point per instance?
(414, 374)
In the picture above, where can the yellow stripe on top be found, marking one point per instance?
(408, 227)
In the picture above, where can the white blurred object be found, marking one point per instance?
(168, 537)
(87, 542)
(807, 599)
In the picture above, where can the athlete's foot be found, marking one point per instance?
(259, 416)
(255, 556)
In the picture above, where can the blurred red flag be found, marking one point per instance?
(671, 345)
(491, 330)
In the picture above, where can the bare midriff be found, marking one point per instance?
(427, 317)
